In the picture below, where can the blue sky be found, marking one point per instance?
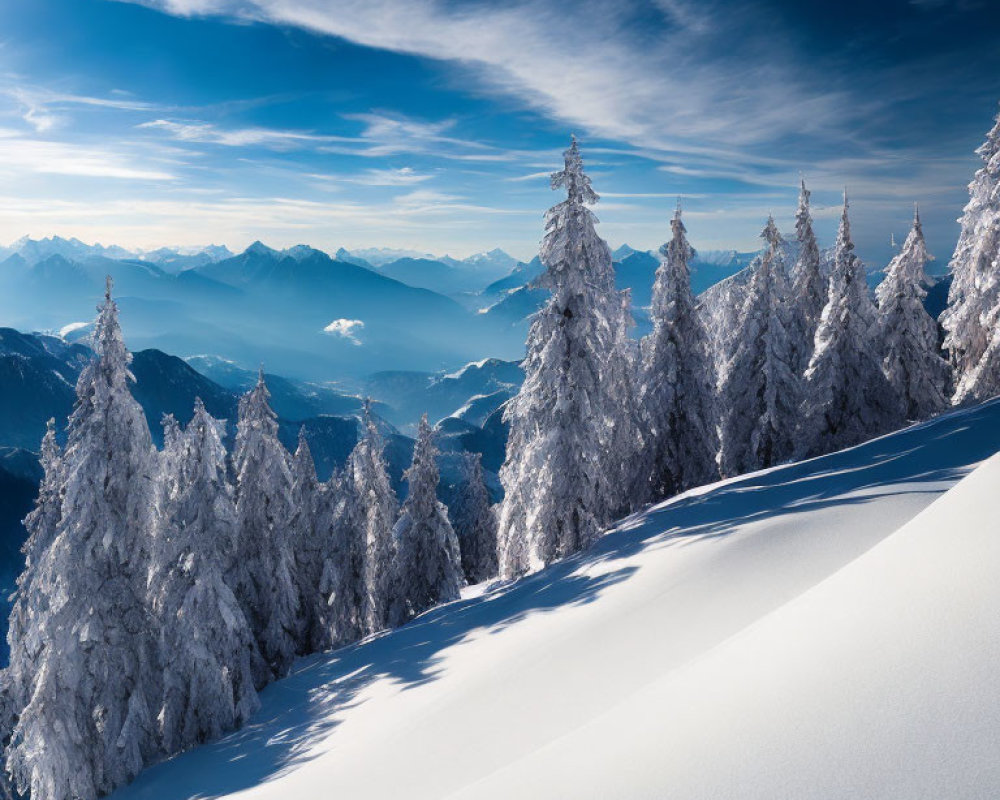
(433, 125)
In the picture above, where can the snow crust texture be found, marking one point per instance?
(818, 630)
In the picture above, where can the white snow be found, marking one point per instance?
(818, 630)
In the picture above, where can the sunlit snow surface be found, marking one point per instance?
(805, 632)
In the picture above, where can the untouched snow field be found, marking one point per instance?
(820, 630)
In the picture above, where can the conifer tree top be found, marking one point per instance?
(905, 273)
(424, 454)
(304, 466)
(50, 447)
(844, 244)
(255, 407)
(771, 235)
(677, 250)
(915, 238)
(109, 344)
(572, 176)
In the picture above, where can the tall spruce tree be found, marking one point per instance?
(208, 674)
(678, 381)
(974, 298)
(92, 657)
(342, 579)
(760, 391)
(809, 287)
(628, 437)
(563, 477)
(847, 397)
(264, 567)
(41, 525)
(371, 517)
(341, 588)
(911, 359)
(428, 564)
(307, 545)
(474, 522)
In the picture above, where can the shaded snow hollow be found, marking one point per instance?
(820, 630)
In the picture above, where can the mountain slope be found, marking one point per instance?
(654, 665)
(877, 682)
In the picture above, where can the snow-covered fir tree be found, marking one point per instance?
(372, 515)
(974, 298)
(172, 444)
(474, 522)
(678, 382)
(41, 525)
(264, 567)
(911, 359)
(341, 589)
(847, 397)
(809, 287)
(89, 724)
(307, 543)
(562, 476)
(208, 668)
(760, 391)
(628, 436)
(427, 564)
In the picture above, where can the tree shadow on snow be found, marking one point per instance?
(301, 710)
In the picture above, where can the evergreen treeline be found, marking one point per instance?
(804, 364)
(164, 589)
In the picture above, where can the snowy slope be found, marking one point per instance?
(787, 634)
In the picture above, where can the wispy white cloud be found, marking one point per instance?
(532, 176)
(580, 72)
(404, 176)
(346, 329)
(44, 109)
(19, 155)
(208, 133)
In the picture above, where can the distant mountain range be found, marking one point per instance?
(300, 312)
(38, 374)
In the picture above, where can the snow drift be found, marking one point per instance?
(819, 630)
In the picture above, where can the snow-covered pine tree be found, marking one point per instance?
(340, 591)
(628, 437)
(172, 442)
(372, 514)
(911, 360)
(208, 671)
(563, 476)
(41, 525)
(264, 566)
(760, 392)
(974, 297)
(847, 397)
(427, 567)
(43, 520)
(809, 287)
(88, 726)
(678, 384)
(168, 460)
(307, 543)
(474, 522)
